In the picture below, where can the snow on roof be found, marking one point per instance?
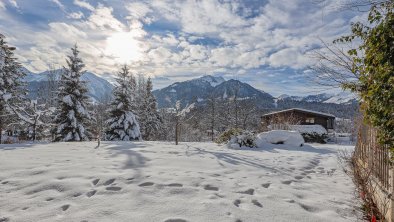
(301, 110)
(308, 129)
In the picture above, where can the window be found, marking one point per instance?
(310, 120)
(329, 124)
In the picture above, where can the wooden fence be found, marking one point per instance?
(377, 157)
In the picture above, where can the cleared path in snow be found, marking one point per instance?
(158, 181)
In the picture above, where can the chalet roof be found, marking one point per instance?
(300, 110)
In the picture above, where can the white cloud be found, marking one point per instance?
(75, 15)
(59, 4)
(83, 4)
(2, 5)
(102, 18)
(139, 11)
(185, 37)
(13, 3)
(289, 57)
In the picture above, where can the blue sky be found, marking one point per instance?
(264, 43)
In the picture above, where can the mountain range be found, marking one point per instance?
(199, 90)
(340, 98)
(98, 87)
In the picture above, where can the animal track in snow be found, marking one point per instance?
(266, 185)
(49, 199)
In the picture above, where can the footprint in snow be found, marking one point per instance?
(175, 185)
(287, 182)
(95, 181)
(146, 184)
(175, 220)
(237, 202)
(266, 185)
(290, 200)
(91, 193)
(209, 187)
(77, 194)
(248, 191)
(65, 207)
(4, 219)
(108, 182)
(308, 208)
(113, 188)
(257, 203)
(298, 177)
(49, 199)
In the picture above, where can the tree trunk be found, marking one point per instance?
(176, 132)
(34, 131)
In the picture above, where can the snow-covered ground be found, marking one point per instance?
(158, 181)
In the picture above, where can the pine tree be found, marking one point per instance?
(123, 124)
(73, 115)
(149, 117)
(12, 92)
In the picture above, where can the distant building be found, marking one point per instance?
(297, 116)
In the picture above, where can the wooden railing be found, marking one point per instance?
(376, 156)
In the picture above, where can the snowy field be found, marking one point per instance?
(158, 181)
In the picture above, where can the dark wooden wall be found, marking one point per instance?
(296, 117)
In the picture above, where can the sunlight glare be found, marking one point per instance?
(124, 47)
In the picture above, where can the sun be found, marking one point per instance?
(124, 47)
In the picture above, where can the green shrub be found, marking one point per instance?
(315, 137)
(226, 135)
(245, 139)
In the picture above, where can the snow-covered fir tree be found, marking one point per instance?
(123, 124)
(73, 117)
(12, 90)
(149, 116)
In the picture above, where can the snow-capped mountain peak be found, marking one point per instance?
(212, 80)
(342, 98)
